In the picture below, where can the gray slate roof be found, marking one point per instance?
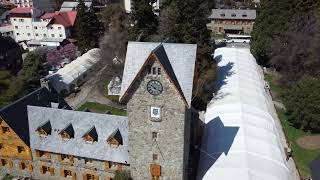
(81, 122)
(16, 116)
(239, 14)
(181, 57)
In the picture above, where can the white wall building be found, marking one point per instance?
(31, 24)
(22, 3)
(128, 5)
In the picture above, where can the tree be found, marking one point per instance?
(303, 104)
(88, 28)
(144, 20)
(185, 22)
(54, 57)
(69, 51)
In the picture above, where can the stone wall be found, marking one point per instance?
(79, 167)
(170, 145)
(218, 26)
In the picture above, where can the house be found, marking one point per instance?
(72, 5)
(128, 5)
(77, 145)
(45, 29)
(15, 152)
(233, 21)
(10, 54)
(157, 87)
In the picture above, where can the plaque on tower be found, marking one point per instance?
(155, 113)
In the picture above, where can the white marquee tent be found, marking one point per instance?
(241, 140)
(73, 74)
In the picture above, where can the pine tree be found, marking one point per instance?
(88, 28)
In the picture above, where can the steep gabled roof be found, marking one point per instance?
(46, 127)
(117, 136)
(92, 133)
(16, 115)
(67, 19)
(178, 60)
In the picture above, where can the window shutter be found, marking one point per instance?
(107, 164)
(52, 171)
(119, 167)
(37, 153)
(96, 177)
(48, 155)
(74, 177)
(10, 163)
(62, 172)
(155, 170)
(59, 157)
(30, 167)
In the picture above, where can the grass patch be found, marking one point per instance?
(301, 156)
(101, 108)
(7, 177)
(272, 83)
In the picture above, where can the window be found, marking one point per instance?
(222, 15)
(154, 135)
(35, 27)
(14, 19)
(29, 34)
(20, 149)
(18, 34)
(87, 161)
(23, 165)
(45, 169)
(52, 35)
(244, 15)
(149, 70)
(51, 27)
(21, 20)
(4, 162)
(5, 129)
(154, 72)
(16, 27)
(155, 171)
(155, 157)
(159, 71)
(44, 35)
(233, 15)
(59, 28)
(37, 34)
(60, 35)
(67, 173)
(90, 177)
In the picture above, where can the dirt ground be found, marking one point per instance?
(309, 142)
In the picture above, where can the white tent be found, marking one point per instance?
(67, 78)
(241, 140)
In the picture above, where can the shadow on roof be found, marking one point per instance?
(214, 146)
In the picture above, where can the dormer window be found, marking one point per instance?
(115, 139)
(91, 136)
(67, 133)
(45, 129)
(222, 14)
(233, 15)
(244, 15)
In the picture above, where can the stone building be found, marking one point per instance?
(77, 145)
(232, 21)
(15, 153)
(157, 84)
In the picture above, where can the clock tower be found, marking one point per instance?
(157, 86)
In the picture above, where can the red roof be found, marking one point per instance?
(47, 16)
(22, 10)
(66, 19)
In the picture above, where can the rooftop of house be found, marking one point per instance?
(72, 5)
(244, 14)
(22, 10)
(67, 19)
(178, 61)
(98, 126)
(16, 116)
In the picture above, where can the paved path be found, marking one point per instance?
(90, 93)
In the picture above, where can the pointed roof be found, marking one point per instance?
(67, 19)
(178, 61)
(46, 127)
(92, 133)
(69, 130)
(116, 135)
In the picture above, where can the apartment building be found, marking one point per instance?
(32, 24)
(22, 3)
(233, 21)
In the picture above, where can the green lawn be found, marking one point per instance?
(7, 177)
(101, 108)
(301, 156)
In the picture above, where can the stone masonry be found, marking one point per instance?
(172, 142)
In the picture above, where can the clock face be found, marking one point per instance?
(154, 87)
